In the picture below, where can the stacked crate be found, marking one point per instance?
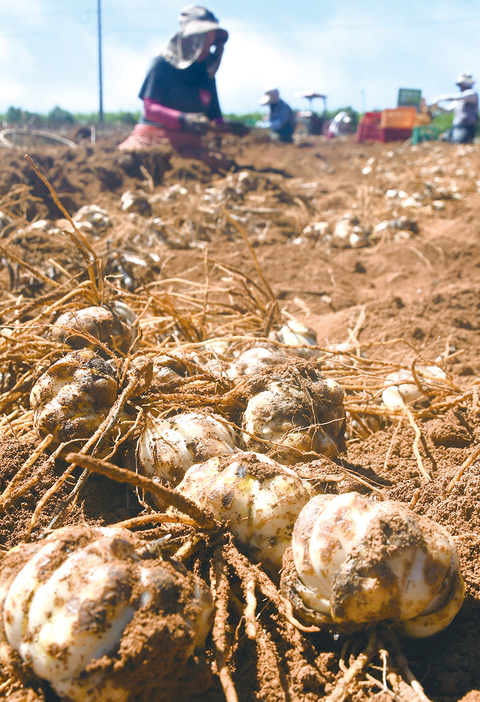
(397, 124)
(388, 125)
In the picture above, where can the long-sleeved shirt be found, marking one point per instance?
(155, 113)
(169, 91)
(464, 106)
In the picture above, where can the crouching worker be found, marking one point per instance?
(179, 93)
(340, 125)
(281, 121)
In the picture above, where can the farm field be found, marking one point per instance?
(374, 247)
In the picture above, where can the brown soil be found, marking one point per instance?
(406, 296)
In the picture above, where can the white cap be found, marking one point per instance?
(465, 79)
(272, 95)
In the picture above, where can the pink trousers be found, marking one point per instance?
(144, 136)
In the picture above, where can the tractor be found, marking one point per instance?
(309, 121)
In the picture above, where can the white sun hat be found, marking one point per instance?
(465, 79)
(271, 96)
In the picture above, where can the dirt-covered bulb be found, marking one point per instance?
(168, 447)
(115, 326)
(257, 497)
(93, 612)
(297, 413)
(73, 397)
(354, 562)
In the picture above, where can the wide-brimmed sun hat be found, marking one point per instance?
(186, 45)
(195, 19)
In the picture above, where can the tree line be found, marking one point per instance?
(59, 118)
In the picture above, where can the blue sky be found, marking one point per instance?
(358, 53)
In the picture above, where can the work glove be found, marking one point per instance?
(194, 123)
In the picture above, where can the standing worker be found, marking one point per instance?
(465, 110)
(281, 121)
(179, 93)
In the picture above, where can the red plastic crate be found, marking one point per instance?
(393, 134)
(371, 117)
(369, 127)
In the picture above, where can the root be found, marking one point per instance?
(342, 689)
(473, 456)
(155, 518)
(202, 518)
(268, 661)
(251, 605)
(94, 264)
(55, 487)
(418, 434)
(246, 570)
(188, 548)
(31, 269)
(300, 650)
(397, 680)
(268, 290)
(402, 664)
(392, 443)
(221, 589)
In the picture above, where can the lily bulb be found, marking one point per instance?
(299, 336)
(255, 360)
(73, 604)
(73, 397)
(300, 415)
(358, 562)
(257, 497)
(167, 447)
(116, 326)
(402, 389)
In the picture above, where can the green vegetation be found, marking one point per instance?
(247, 118)
(13, 115)
(60, 118)
(121, 117)
(443, 121)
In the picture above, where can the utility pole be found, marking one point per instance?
(100, 76)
